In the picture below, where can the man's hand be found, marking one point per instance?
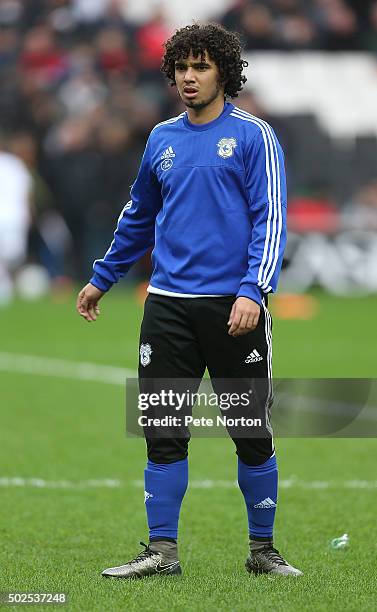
(87, 302)
(244, 317)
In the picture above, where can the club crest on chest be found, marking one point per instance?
(226, 147)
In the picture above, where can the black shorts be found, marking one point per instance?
(180, 337)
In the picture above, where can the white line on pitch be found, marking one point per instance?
(40, 483)
(111, 483)
(61, 368)
(289, 483)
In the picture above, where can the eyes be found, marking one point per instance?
(198, 67)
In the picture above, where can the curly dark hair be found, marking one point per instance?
(223, 47)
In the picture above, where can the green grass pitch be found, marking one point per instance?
(71, 432)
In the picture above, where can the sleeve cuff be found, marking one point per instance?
(250, 291)
(100, 282)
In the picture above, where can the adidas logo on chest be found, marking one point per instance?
(168, 154)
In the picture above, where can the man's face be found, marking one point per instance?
(198, 81)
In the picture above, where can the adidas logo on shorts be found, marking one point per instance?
(253, 357)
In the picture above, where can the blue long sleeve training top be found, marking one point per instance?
(211, 199)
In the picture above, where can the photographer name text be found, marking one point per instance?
(220, 421)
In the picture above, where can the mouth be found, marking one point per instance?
(190, 92)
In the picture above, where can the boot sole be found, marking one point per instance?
(175, 572)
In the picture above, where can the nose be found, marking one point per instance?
(189, 75)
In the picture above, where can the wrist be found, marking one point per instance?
(251, 291)
(101, 283)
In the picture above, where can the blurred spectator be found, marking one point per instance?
(23, 145)
(287, 7)
(249, 103)
(362, 9)
(370, 38)
(74, 171)
(115, 16)
(49, 238)
(113, 55)
(150, 39)
(9, 40)
(231, 19)
(89, 11)
(360, 212)
(10, 12)
(119, 159)
(257, 27)
(332, 25)
(340, 26)
(15, 215)
(82, 57)
(295, 32)
(61, 20)
(313, 212)
(41, 60)
(83, 93)
(140, 103)
(34, 13)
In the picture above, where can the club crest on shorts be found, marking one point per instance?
(145, 354)
(226, 147)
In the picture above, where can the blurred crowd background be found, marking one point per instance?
(80, 89)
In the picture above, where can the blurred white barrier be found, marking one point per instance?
(339, 89)
(345, 264)
(178, 13)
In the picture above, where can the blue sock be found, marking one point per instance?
(165, 486)
(259, 485)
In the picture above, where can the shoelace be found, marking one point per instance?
(274, 556)
(143, 555)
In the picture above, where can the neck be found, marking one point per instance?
(208, 113)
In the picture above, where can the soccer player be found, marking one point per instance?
(210, 197)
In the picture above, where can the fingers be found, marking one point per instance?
(252, 323)
(93, 312)
(256, 319)
(234, 320)
(89, 312)
(244, 317)
(81, 303)
(232, 313)
(243, 326)
(88, 309)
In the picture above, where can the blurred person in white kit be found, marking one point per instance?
(15, 218)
